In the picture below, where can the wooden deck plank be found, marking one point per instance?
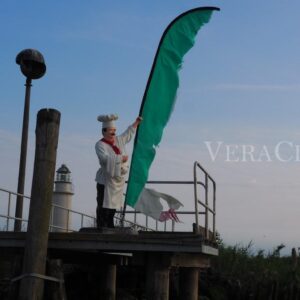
(154, 242)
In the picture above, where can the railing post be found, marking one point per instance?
(134, 216)
(214, 208)
(51, 218)
(196, 198)
(8, 211)
(206, 207)
(173, 225)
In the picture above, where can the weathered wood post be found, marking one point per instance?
(15, 271)
(188, 283)
(56, 290)
(158, 272)
(34, 263)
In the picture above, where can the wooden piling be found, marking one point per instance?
(108, 282)
(35, 254)
(158, 272)
(16, 270)
(188, 283)
(56, 290)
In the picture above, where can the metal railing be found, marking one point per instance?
(83, 216)
(170, 225)
(8, 216)
(69, 213)
(209, 208)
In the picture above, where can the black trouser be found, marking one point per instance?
(105, 216)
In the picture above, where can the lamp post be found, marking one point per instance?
(32, 66)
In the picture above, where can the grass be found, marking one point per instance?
(241, 273)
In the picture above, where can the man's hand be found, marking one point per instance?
(124, 158)
(137, 122)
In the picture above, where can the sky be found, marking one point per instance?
(236, 111)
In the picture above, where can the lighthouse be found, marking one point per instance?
(62, 199)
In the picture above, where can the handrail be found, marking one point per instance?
(206, 206)
(56, 206)
(197, 203)
(14, 193)
(173, 182)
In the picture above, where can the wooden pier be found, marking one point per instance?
(156, 252)
(39, 255)
(164, 242)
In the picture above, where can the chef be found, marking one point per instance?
(113, 161)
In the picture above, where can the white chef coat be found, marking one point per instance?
(112, 170)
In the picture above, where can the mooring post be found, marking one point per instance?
(158, 272)
(188, 283)
(34, 263)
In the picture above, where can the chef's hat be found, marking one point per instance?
(108, 120)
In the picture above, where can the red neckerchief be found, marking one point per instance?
(114, 147)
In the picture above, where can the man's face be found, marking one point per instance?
(110, 133)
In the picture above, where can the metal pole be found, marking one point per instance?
(173, 225)
(23, 154)
(214, 208)
(206, 207)
(8, 212)
(196, 199)
(134, 216)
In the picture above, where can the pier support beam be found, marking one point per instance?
(188, 283)
(34, 263)
(157, 284)
(108, 282)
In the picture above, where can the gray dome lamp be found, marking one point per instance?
(32, 65)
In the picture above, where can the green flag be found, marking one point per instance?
(160, 94)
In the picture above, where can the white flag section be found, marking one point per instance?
(150, 204)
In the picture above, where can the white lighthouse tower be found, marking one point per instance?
(62, 197)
